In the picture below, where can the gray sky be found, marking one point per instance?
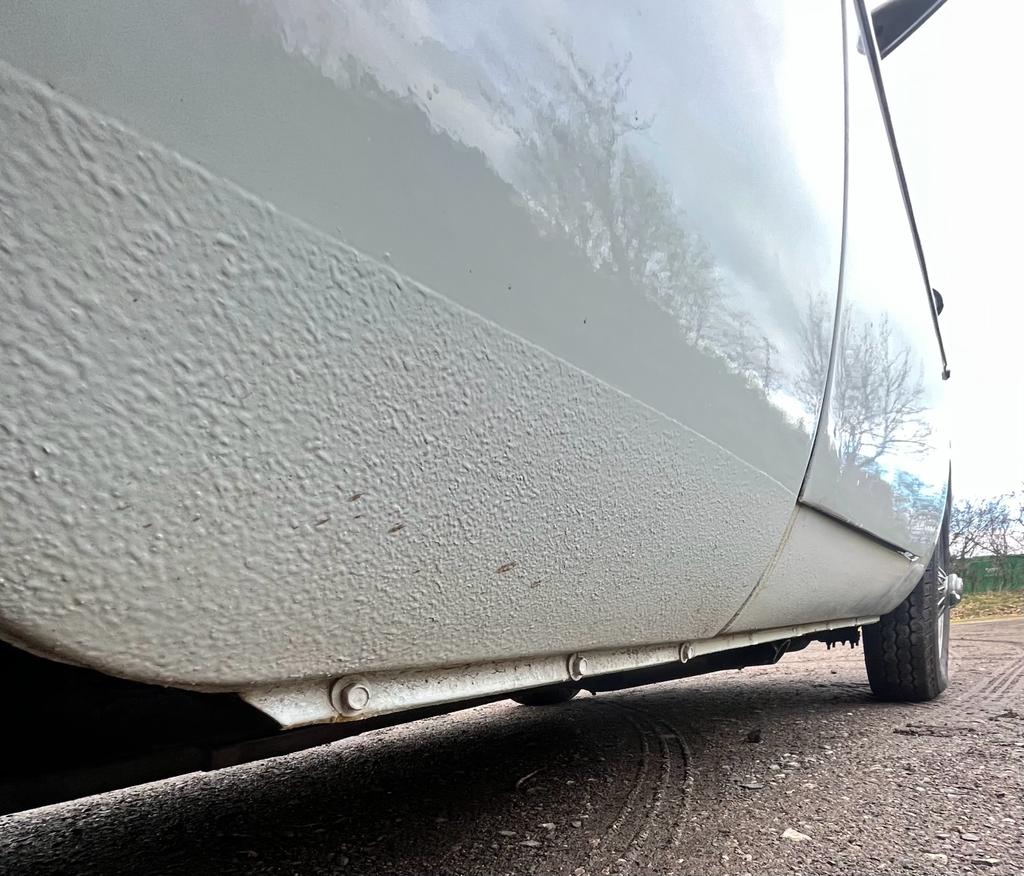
(967, 125)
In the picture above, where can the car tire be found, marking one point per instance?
(907, 651)
(550, 695)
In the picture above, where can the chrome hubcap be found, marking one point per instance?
(954, 590)
(943, 603)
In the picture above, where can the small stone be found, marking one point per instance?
(794, 835)
(985, 862)
(579, 871)
(548, 825)
(792, 765)
(936, 857)
(532, 844)
(752, 785)
(576, 823)
(507, 832)
(970, 837)
(754, 735)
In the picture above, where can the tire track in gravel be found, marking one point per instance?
(1007, 682)
(678, 826)
(992, 690)
(636, 803)
(997, 689)
(669, 769)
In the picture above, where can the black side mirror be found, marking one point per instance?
(938, 301)
(896, 20)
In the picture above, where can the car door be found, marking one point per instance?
(881, 459)
(420, 334)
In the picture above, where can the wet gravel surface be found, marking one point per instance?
(785, 769)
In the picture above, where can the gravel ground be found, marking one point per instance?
(785, 769)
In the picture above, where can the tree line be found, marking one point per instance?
(992, 528)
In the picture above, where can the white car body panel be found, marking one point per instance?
(308, 370)
(882, 456)
(825, 568)
(185, 466)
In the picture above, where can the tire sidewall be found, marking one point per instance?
(940, 568)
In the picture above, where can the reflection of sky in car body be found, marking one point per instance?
(726, 138)
(722, 121)
(405, 129)
(720, 105)
(885, 419)
(478, 54)
(394, 127)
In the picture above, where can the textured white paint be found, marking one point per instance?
(234, 451)
(379, 124)
(827, 570)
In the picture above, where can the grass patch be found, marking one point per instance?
(978, 606)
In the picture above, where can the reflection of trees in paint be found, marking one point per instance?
(916, 503)
(878, 406)
(569, 234)
(586, 180)
(878, 417)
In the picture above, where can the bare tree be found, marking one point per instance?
(991, 528)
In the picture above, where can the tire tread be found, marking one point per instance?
(900, 650)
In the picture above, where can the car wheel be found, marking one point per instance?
(907, 651)
(551, 695)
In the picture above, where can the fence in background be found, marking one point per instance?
(988, 574)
